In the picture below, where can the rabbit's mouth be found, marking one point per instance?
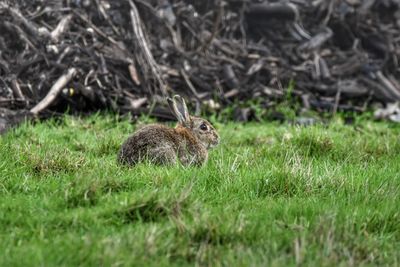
(213, 144)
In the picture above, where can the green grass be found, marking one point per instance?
(270, 194)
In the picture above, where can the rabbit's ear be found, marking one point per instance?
(181, 104)
(178, 106)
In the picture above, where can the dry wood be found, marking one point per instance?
(61, 28)
(144, 48)
(54, 91)
(131, 54)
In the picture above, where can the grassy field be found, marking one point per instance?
(270, 194)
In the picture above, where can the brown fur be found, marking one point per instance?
(163, 145)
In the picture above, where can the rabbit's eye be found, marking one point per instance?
(203, 127)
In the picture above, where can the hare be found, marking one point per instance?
(187, 143)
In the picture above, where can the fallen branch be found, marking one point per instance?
(61, 28)
(17, 89)
(144, 48)
(392, 90)
(189, 84)
(54, 91)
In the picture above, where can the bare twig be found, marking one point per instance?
(388, 85)
(16, 89)
(133, 73)
(54, 91)
(216, 24)
(106, 16)
(189, 83)
(32, 28)
(61, 28)
(337, 100)
(144, 48)
(98, 31)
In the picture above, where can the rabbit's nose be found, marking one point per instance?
(216, 137)
(216, 140)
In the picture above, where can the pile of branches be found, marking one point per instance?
(127, 56)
